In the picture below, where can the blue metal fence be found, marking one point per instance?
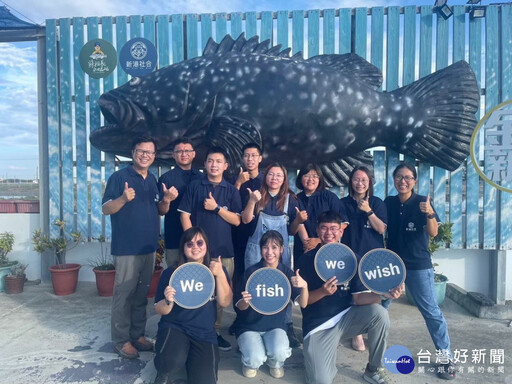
(405, 43)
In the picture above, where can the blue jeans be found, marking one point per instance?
(420, 284)
(271, 347)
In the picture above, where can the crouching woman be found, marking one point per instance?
(186, 337)
(262, 338)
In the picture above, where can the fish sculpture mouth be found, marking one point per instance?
(106, 139)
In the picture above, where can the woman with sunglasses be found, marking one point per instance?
(411, 221)
(314, 199)
(262, 338)
(187, 338)
(274, 206)
(367, 216)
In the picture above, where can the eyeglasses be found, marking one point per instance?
(362, 181)
(312, 177)
(406, 178)
(191, 244)
(144, 153)
(251, 156)
(276, 175)
(334, 228)
(183, 152)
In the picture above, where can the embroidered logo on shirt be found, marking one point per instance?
(367, 225)
(410, 227)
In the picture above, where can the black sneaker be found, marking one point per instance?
(446, 371)
(223, 343)
(294, 342)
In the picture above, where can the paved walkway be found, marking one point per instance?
(49, 339)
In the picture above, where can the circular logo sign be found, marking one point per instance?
(138, 57)
(381, 270)
(194, 284)
(338, 260)
(494, 132)
(398, 359)
(98, 58)
(270, 290)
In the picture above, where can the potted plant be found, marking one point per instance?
(444, 236)
(159, 255)
(6, 244)
(15, 281)
(104, 270)
(64, 275)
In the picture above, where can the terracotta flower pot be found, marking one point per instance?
(64, 278)
(105, 281)
(154, 282)
(14, 284)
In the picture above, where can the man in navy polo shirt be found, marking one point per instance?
(330, 316)
(172, 186)
(131, 199)
(214, 205)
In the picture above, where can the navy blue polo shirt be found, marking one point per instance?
(217, 229)
(250, 320)
(179, 179)
(359, 235)
(316, 204)
(135, 228)
(272, 210)
(318, 313)
(242, 233)
(198, 323)
(406, 231)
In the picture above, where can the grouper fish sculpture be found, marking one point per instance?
(325, 109)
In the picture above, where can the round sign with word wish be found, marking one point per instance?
(336, 259)
(270, 290)
(381, 270)
(138, 57)
(194, 284)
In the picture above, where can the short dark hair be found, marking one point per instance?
(220, 150)
(410, 167)
(271, 235)
(144, 139)
(329, 217)
(371, 179)
(252, 145)
(188, 235)
(305, 170)
(181, 140)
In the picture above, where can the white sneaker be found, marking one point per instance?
(249, 372)
(277, 373)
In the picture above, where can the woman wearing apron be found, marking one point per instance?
(275, 207)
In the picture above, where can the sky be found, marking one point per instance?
(18, 78)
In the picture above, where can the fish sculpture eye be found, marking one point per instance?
(135, 81)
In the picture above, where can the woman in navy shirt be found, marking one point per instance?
(314, 199)
(367, 216)
(262, 338)
(412, 220)
(187, 337)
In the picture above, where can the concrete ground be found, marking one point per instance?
(49, 339)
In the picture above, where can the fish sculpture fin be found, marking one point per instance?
(353, 66)
(448, 100)
(252, 45)
(338, 172)
(231, 134)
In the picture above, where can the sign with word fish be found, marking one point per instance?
(338, 260)
(194, 284)
(381, 270)
(270, 290)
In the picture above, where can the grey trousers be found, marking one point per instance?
(320, 348)
(133, 276)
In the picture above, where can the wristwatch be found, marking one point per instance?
(431, 216)
(167, 301)
(217, 209)
(369, 213)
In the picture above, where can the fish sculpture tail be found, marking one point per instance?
(447, 100)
